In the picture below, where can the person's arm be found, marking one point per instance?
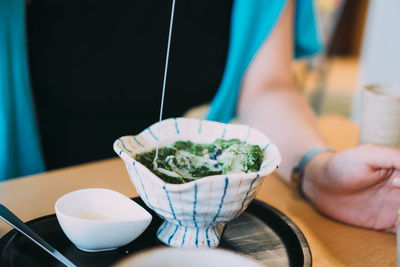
(270, 101)
(357, 186)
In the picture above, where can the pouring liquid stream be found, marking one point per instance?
(164, 80)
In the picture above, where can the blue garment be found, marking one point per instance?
(20, 152)
(252, 21)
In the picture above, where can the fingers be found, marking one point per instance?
(382, 157)
(396, 182)
(392, 229)
(387, 216)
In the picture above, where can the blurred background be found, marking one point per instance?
(361, 48)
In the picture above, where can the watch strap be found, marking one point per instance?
(298, 171)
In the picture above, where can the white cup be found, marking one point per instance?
(380, 116)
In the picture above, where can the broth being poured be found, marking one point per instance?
(165, 77)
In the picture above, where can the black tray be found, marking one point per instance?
(261, 232)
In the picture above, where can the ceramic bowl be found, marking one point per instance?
(161, 257)
(97, 219)
(195, 213)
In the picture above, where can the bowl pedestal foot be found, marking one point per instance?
(181, 236)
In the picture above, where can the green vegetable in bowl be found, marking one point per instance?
(186, 161)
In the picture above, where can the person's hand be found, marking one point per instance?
(359, 186)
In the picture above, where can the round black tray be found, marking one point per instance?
(262, 232)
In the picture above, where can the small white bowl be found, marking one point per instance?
(182, 257)
(97, 219)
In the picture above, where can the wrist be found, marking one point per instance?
(315, 170)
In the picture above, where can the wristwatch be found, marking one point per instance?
(298, 171)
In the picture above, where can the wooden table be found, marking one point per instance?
(332, 243)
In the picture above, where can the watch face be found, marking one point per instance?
(295, 177)
(296, 182)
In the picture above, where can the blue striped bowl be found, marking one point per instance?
(195, 213)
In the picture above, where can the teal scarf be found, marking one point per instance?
(252, 21)
(20, 152)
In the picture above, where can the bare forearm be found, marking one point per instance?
(287, 119)
(270, 102)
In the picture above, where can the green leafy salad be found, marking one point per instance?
(185, 161)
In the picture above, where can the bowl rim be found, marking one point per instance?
(59, 212)
(371, 89)
(220, 250)
(185, 186)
